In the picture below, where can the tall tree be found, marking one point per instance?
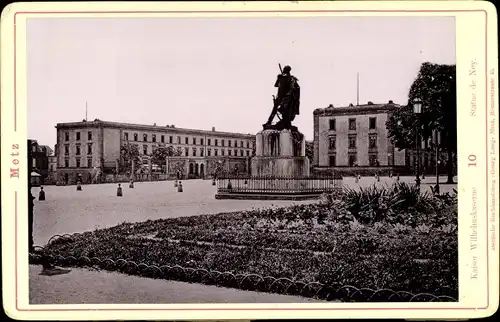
(435, 86)
(129, 153)
(162, 151)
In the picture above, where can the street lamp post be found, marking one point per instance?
(417, 109)
(437, 161)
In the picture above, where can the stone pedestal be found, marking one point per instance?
(280, 153)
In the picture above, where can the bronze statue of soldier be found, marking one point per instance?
(287, 102)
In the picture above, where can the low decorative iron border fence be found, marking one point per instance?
(249, 282)
(278, 184)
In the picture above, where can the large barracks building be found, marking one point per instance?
(89, 147)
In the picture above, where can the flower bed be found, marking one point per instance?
(336, 242)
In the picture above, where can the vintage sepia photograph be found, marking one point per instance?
(242, 160)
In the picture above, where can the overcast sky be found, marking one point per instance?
(199, 73)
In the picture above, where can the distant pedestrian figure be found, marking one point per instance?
(41, 195)
(179, 187)
(176, 183)
(119, 192)
(397, 178)
(229, 185)
(78, 186)
(356, 178)
(213, 182)
(131, 184)
(390, 174)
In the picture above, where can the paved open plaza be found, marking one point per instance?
(67, 210)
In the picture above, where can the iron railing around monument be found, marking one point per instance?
(278, 184)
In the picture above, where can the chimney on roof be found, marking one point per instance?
(213, 128)
(172, 126)
(351, 105)
(391, 102)
(370, 103)
(330, 106)
(154, 124)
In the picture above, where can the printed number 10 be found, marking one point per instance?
(472, 160)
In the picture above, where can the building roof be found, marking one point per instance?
(138, 127)
(369, 108)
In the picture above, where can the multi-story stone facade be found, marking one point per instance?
(91, 147)
(355, 137)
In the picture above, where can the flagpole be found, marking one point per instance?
(357, 90)
(86, 111)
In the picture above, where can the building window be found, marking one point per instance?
(126, 136)
(194, 152)
(372, 142)
(248, 145)
(229, 152)
(373, 123)
(89, 148)
(186, 140)
(352, 141)
(216, 142)
(78, 150)
(215, 152)
(89, 136)
(332, 160)
(241, 152)
(352, 159)
(136, 137)
(333, 125)
(229, 143)
(222, 151)
(248, 153)
(209, 152)
(145, 149)
(154, 137)
(373, 160)
(66, 136)
(89, 162)
(186, 151)
(163, 139)
(222, 142)
(145, 137)
(201, 152)
(66, 163)
(66, 149)
(78, 162)
(209, 141)
(170, 139)
(201, 141)
(241, 144)
(178, 140)
(194, 141)
(332, 142)
(352, 124)
(78, 136)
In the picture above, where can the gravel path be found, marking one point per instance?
(83, 286)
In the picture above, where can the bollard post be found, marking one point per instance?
(78, 186)
(41, 195)
(131, 185)
(119, 192)
(179, 187)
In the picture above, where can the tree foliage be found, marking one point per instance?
(130, 153)
(162, 151)
(435, 86)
